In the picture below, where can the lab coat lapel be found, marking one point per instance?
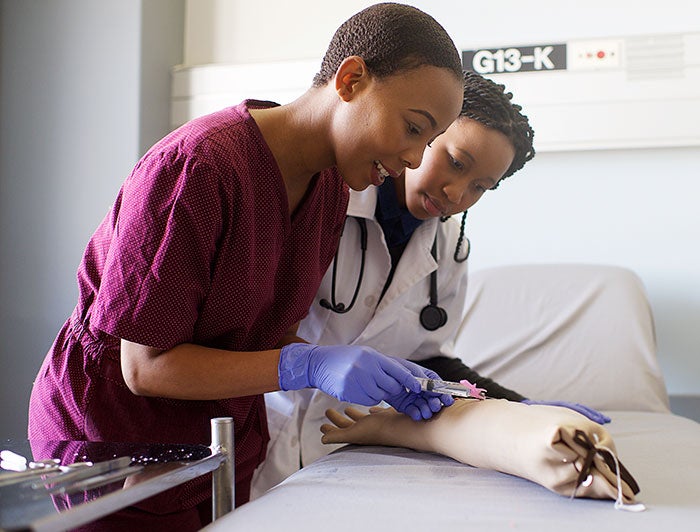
(415, 265)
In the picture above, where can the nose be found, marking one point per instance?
(413, 157)
(454, 192)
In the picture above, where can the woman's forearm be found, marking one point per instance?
(193, 372)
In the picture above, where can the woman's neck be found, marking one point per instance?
(296, 134)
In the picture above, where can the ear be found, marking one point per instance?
(349, 77)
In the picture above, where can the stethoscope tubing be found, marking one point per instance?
(432, 316)
(340, 308)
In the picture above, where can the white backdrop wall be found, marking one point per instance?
(84, 89)
(633, 208)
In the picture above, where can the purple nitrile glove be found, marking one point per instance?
(357, 374)
(590, 413)
(424, 404)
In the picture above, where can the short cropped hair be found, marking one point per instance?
(390, 38)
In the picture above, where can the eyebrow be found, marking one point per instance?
(426, 114)
(465, 152)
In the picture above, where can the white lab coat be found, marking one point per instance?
(391, 327)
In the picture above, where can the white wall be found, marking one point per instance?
(241, 31)
(84, 88)
(633, 208)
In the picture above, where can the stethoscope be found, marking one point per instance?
(432, 316)
(340, 308)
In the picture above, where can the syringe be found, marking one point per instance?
(451, 388)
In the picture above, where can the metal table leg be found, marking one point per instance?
(223, 477)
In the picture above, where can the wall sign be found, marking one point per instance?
(539, 58)
(589, 101)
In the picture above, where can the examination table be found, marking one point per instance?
(570, 332)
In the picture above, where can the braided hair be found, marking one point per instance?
(488, 103)
(390, 37)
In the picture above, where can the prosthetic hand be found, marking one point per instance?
(590, 413)
(360, 375)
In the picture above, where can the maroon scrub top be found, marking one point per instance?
(199, 247)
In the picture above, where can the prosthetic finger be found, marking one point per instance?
(354, 413)
(339, 419)
(331, 434)
(327, 428)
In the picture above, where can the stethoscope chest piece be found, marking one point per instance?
(433, 317)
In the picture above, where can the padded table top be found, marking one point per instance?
(385, 488)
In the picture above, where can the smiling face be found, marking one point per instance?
(458, 167)
(384, 125)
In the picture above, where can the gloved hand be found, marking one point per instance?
(361, 375)
(424, 404)
(590, 413)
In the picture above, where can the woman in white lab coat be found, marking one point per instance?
(377, 297)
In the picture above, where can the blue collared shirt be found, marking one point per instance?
(397, 223)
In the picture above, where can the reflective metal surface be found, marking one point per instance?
(223, 479)
(94, 479)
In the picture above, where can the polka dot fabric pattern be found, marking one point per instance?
(199, 247)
